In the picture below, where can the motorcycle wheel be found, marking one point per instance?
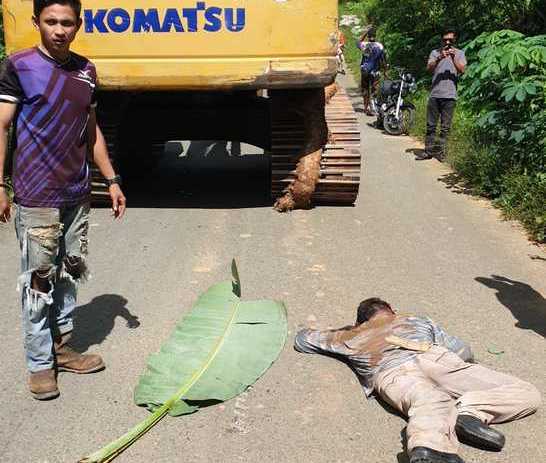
(401, 125)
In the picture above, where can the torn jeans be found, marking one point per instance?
(53, 246)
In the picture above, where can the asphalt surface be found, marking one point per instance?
(411, 239)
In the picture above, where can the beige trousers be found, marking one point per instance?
(436, 387)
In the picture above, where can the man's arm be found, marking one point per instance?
(7, 114)
(307, 341)
(102, 161)
(319, 342)
(452, 343)
(434, 59)
(459, 60)
(384, 63)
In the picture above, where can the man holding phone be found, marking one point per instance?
(446, 65)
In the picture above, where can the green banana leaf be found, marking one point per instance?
(215, 353)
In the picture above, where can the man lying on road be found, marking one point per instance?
(423, 372)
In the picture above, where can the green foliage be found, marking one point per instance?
(524, 198)
(410, 29)
(504, 86)
(215, 352)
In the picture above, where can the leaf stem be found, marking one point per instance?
(112, 450)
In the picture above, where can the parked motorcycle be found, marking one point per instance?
(395, 114)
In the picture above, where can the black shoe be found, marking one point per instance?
(426, 455)
(423, 156)
(471, 431)
(441, 157)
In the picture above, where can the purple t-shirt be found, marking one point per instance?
(50, 166)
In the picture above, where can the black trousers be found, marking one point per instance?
(443, 109)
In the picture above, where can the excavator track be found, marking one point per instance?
(341, 158)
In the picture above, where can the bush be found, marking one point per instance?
(524, 198)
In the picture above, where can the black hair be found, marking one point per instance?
(449, 30)
(371, 32)
(40, 5)
(368, 308)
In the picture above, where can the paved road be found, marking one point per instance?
(410, 239)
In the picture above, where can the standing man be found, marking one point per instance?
(446, 65)
(373, 60)
(427, 375)
(48, 92)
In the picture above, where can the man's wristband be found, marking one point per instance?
(115, 180)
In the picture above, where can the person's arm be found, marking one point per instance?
(11, 95)
(434, 59)
(452, 343)
(102, 161)
(310, 341)
(459, 60)
(7, 114)
(384, 63)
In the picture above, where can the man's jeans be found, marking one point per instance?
(443, 109)
(53, 245)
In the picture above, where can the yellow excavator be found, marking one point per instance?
(260, 72)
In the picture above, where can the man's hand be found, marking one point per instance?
(118, 201)
(5, 206)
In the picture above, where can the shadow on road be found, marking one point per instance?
(455, 183)
(525, 303)
(415, 151)
(94, 321)
(402, 457)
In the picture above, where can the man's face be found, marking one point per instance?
(58, 26)
(448, 39)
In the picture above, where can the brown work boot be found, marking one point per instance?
(67, 359)
(43, 385)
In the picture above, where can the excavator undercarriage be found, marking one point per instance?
(311, 136)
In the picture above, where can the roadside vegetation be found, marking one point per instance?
(497, 146)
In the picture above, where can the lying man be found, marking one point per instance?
(423, 372)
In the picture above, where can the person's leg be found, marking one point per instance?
(72, 261)
(433, 113)
(38, 231)
(483, 396)
(431, 411)
(365, 88)
(74, 271)
(374, 85)
(447, 109)
(487, 394)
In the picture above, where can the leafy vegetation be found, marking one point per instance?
(410, 28)
(498, 140)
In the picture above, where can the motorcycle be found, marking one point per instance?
(394, 114)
